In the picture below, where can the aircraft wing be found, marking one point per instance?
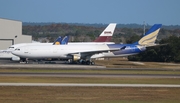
(90, 53)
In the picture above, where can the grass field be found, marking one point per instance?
(124, 63)
(112, 80)
(88, 95)
(23, 94)
(113, 71)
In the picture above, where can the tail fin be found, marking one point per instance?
(106, 35)
(150, 37)
(58, 41)
(65, 40)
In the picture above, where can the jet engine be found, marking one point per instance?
(15, 58)
(76, 57)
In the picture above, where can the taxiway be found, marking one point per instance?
(91, 75)
(89, 85)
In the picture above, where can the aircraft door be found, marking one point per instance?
(26, 50)
(55, 50)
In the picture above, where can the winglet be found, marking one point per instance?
(107, 34)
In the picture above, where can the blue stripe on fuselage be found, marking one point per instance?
(129, 49)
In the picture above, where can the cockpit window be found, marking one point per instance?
(11, 47)
(17, 49)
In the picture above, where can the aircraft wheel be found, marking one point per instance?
(83, 62)
(92, 63)
(88, 62)
(70, 61)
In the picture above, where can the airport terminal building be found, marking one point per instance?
(11, 33)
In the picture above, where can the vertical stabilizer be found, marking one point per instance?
(150, 36)
(107, 34)
(65, 40)
(58, 41)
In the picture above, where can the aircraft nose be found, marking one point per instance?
(16, 52)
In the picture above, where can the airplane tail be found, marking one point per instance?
(150, 36)
(65, 40)
(107, 34)
(58, 41)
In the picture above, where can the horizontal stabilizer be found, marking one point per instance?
(123, 47)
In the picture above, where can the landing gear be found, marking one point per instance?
(81, 61)
(24, 60)
(70, 61)
(87, 62)
(92, 63)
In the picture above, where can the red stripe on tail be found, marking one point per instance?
(103, 39)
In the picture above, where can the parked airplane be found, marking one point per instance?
(106, 35)
(60, 41)
(6, 54)
(84, 53)
(147, 40)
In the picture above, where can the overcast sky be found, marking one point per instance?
(166, 12)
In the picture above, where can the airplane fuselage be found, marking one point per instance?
(6, 54)
(66, 51)
(56, 51)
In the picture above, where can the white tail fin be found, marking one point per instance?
(107, 34)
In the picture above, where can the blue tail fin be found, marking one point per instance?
(58, 41)
(150, 36)
(65, 40)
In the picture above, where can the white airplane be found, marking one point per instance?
(104, 38)
(7, 55)
(84, 53)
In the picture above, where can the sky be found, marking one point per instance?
(166, 12)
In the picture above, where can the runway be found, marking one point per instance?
(82, 67)
(92, 75)
(89, 85)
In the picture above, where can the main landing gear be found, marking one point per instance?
(81, 61)
(88, 62)
(24, 60)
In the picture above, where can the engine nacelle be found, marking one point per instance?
(76, 57)
(15, 59)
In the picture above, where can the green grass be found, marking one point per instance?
(124, 63)
(23, 94)
(92, 71)
(88, 95)
(113, 80)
